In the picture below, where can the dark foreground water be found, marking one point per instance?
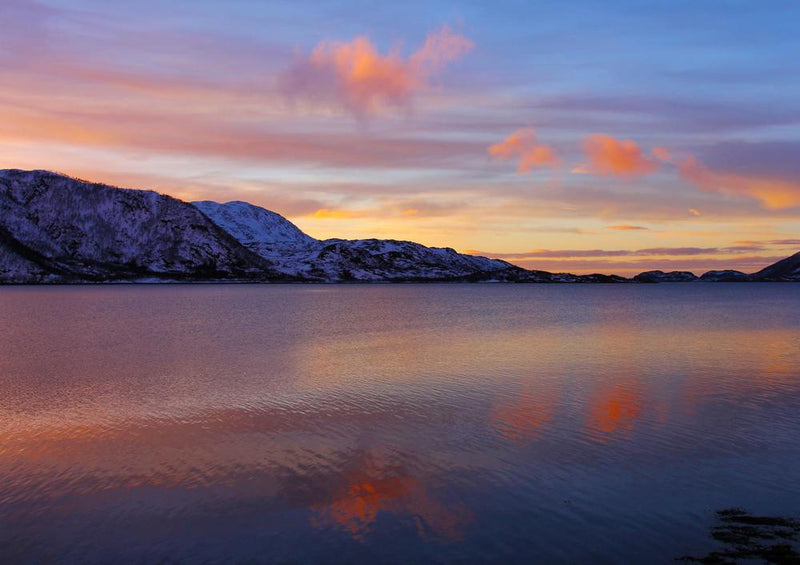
(392, 424)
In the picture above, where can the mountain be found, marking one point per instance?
(296, 254)
(661, 276)
(727, 275)
(56, 229)
(785, 270)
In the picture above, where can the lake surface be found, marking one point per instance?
(394, 423)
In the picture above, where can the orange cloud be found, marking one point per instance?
(356, 75)
(330, 214)
(522, 144)
(609, 156)
(774, 194)
(627, 228)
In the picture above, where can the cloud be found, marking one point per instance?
(333, 214)
(662, 154)
(665, 114)
(356, 76)
(441, 48)
(161, 132)
(648, 252)
(774, 159)
(791, 242)
(523, 145)
(21, 40)
(609, 156)
(694, 212)
(774, 194)
(626, 228)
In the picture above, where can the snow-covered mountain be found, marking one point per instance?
(53, 228)
(56, 229)
(296, 254)
(257, 228)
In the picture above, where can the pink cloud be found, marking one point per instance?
(774, 194)
(523, 145)
(610, 156)
(358, 77)
(662, 154)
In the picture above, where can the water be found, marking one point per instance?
(392, 424)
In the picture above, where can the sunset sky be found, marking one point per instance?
(565, 136)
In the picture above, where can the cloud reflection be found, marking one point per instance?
(614, 411)
(370, 489)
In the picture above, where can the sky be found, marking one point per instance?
(581, 136)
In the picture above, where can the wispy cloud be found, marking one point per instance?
(791, 242)
(626, 227)
(774, 194)
(662, 113)
(648, 252)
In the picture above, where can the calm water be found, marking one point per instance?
(392, 424)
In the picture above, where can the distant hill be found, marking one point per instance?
(56, 229)
(785, 270)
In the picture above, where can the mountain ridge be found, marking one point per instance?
(58, 229)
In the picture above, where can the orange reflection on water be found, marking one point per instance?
(524, 416)
(615, 410)
(372, 489)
